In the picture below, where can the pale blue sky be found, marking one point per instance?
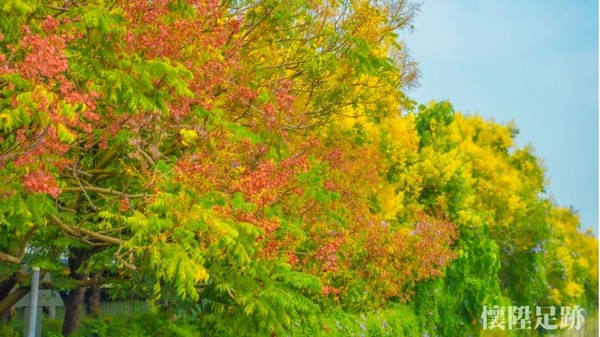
(534, 62)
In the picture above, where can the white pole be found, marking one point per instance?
(35, 283)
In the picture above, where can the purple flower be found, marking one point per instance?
(537, 248)
(384, 224)
(384, 324)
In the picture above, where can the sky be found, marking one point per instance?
(533, 62)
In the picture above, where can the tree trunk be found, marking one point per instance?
(93, 300)
(73, 309)
(5, 288)
(7, 303)
(74, 302)
(7, 285)
(8, 298)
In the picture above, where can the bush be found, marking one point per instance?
(10, 330)
(399, 321)
(143, 325)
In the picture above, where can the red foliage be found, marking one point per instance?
(327, 254)
(124, 204)
(50, 24)
(158, 33)
(45, 56)
(328, 290)
(41, 182)
(269, 180)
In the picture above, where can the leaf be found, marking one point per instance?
(64, 134)
(237, 202)
(66, 110)
(239, 133)
(188, 136)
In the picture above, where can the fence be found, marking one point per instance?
(117, 308)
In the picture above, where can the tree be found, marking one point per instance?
(471, 170)
(87, 132)
(121, 150)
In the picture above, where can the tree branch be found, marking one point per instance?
(23, 247)
(12, 298)
(76, 232)
(61, 9)
(102, 190)
(9, 258)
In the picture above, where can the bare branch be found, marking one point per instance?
(127, 264)
(23, 246)
(146, 156)
(9, 258)
(81, 186)
(76, 232)
(61, 9)
(106, 191)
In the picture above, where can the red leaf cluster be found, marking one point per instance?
(41, 182)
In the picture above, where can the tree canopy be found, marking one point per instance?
(258, 162)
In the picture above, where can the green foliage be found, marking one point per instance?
(432, 120)
(237, 202)
(397, 320)
(240, 133)
(10, 330)
(265, 297)
(148, 324)
(453, 305)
